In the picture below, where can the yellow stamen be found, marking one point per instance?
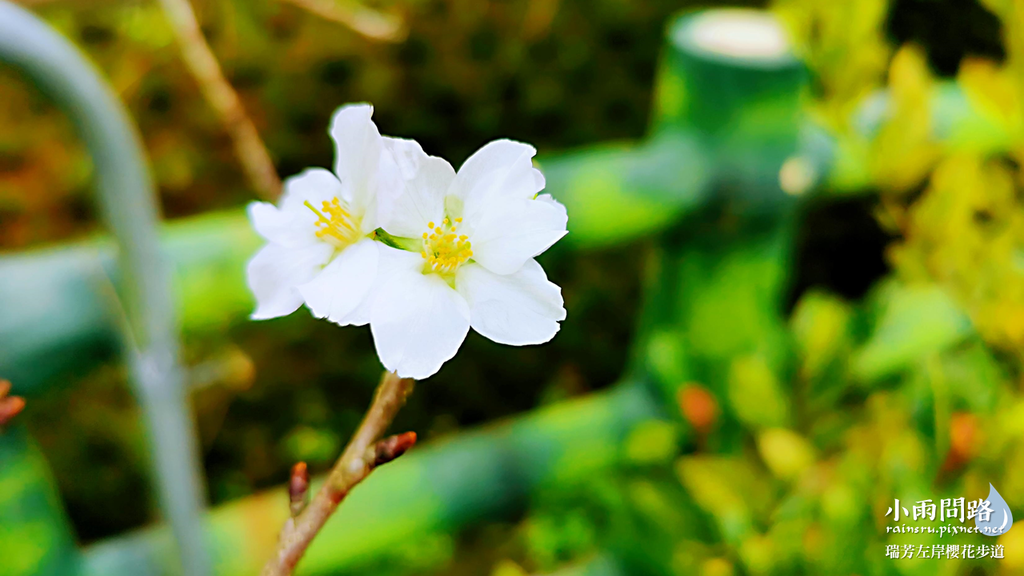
(443, 249)
(334, 223)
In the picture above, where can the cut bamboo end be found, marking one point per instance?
(752, 36)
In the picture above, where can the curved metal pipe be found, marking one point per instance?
(127, 204)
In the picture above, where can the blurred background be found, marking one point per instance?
(851, 205)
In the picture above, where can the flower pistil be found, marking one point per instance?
(444, 249)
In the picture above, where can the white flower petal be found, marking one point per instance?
(357, 153)
(418, 321)
(501, 170)
(407, 154)
(517, 309)
(407, 206)
(343, 284)
(539, 181)
(360, 316)
(509, 233)
(274, 272)
(313, 185)
(389, 262)
(276, 226)
(292, 224)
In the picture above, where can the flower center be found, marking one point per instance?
(334, 224)
(444, 249)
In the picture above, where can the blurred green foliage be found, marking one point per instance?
(854, 424)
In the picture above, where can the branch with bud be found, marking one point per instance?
(458, 248)
(364, 453)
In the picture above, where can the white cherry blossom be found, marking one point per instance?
(462, 255)
(320, 249)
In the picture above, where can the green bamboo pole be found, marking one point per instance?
(719, 279)
(127, 203)
(434, 489)
(71, 287)
(618, 192)
(717, 295)
(729, 78)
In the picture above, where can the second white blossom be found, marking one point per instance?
(464, 259)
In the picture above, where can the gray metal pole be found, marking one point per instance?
(127, 202)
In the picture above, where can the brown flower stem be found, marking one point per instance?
(362, 455)
(203, 65)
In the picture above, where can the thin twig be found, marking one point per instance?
(366, 21)
(363, 454)
(249, 148)
(363, 20)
